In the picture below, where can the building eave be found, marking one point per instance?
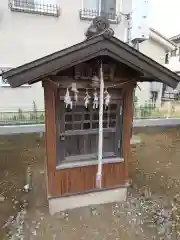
(160, 38)
(175, 38)
(97, 46)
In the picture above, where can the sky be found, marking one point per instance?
(165, 16)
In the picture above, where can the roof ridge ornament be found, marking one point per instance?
(100, 25)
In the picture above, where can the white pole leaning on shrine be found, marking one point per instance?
(100, 144)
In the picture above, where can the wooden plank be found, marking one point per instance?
(127, 126)
(113, 175)
(83, 179)
(50, 125)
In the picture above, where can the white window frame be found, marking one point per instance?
(31, 9)
(118, 10)
(23, 8)
(2, 84)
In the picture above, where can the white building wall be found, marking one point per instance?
(155, 51)
(25, 37)
(13, 99)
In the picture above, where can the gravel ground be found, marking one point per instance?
(151, 212)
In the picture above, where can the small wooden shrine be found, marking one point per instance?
(71, 82)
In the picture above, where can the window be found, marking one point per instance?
(78, 140)
(81, 118)
(155, 86)
(167, 92)
(47, 7)
(3, 82)
(174, 52)
(94, 8)
(30, 4)
(154, 96)
(167, 58)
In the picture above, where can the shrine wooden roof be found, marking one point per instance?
(97, 46)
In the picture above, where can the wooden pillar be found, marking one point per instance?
(127, 128)
(50, 96)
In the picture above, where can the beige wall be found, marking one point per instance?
(26, 37)
(155, 51)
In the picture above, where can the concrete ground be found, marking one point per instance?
(148, 213)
